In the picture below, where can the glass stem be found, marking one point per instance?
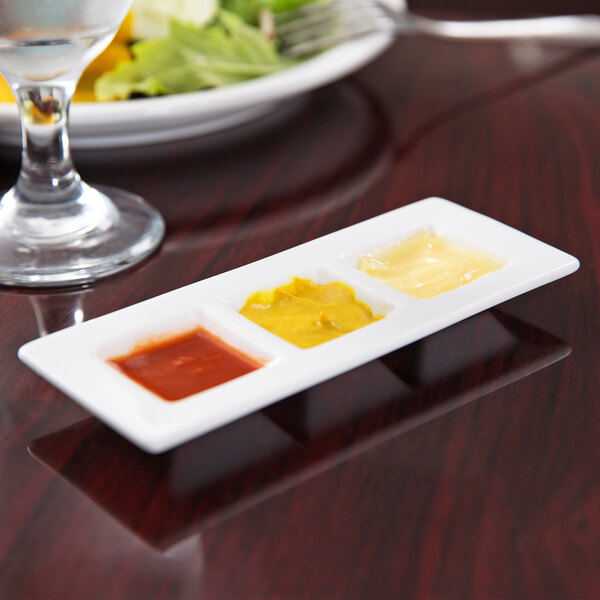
(47, 175)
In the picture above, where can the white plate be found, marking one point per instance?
(74, 359)
(169, 118)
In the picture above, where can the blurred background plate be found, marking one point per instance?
(169, 118)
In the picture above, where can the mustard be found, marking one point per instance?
(306, 313)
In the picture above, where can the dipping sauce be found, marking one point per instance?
(185, 364)
(306, 313)
(427, 265)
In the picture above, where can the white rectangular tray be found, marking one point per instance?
(74, 359)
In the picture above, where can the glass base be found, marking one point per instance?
(104, 231)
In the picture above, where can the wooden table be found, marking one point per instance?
(464, 465)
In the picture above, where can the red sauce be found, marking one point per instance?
(185, 364)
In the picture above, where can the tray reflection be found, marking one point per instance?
(165, 499)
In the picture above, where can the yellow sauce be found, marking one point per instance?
(116, 52)
(426, 265)
(306, 313)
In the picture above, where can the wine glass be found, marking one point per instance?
(56, 230)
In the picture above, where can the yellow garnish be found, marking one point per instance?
(116, 52)
(5, 92)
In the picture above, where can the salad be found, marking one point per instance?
(176, 46)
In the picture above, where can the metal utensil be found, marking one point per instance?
(320, 25)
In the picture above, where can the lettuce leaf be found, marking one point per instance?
(190, 58)
(249, 9)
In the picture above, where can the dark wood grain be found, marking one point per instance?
(462, 466)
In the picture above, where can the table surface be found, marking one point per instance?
(464, 465)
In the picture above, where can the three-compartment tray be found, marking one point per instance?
(75, 359)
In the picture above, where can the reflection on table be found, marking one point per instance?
(227, 471)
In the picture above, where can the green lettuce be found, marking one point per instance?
(226, 51)
(250, 9)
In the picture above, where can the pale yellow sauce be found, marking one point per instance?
(306, 313)
(427, 265)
